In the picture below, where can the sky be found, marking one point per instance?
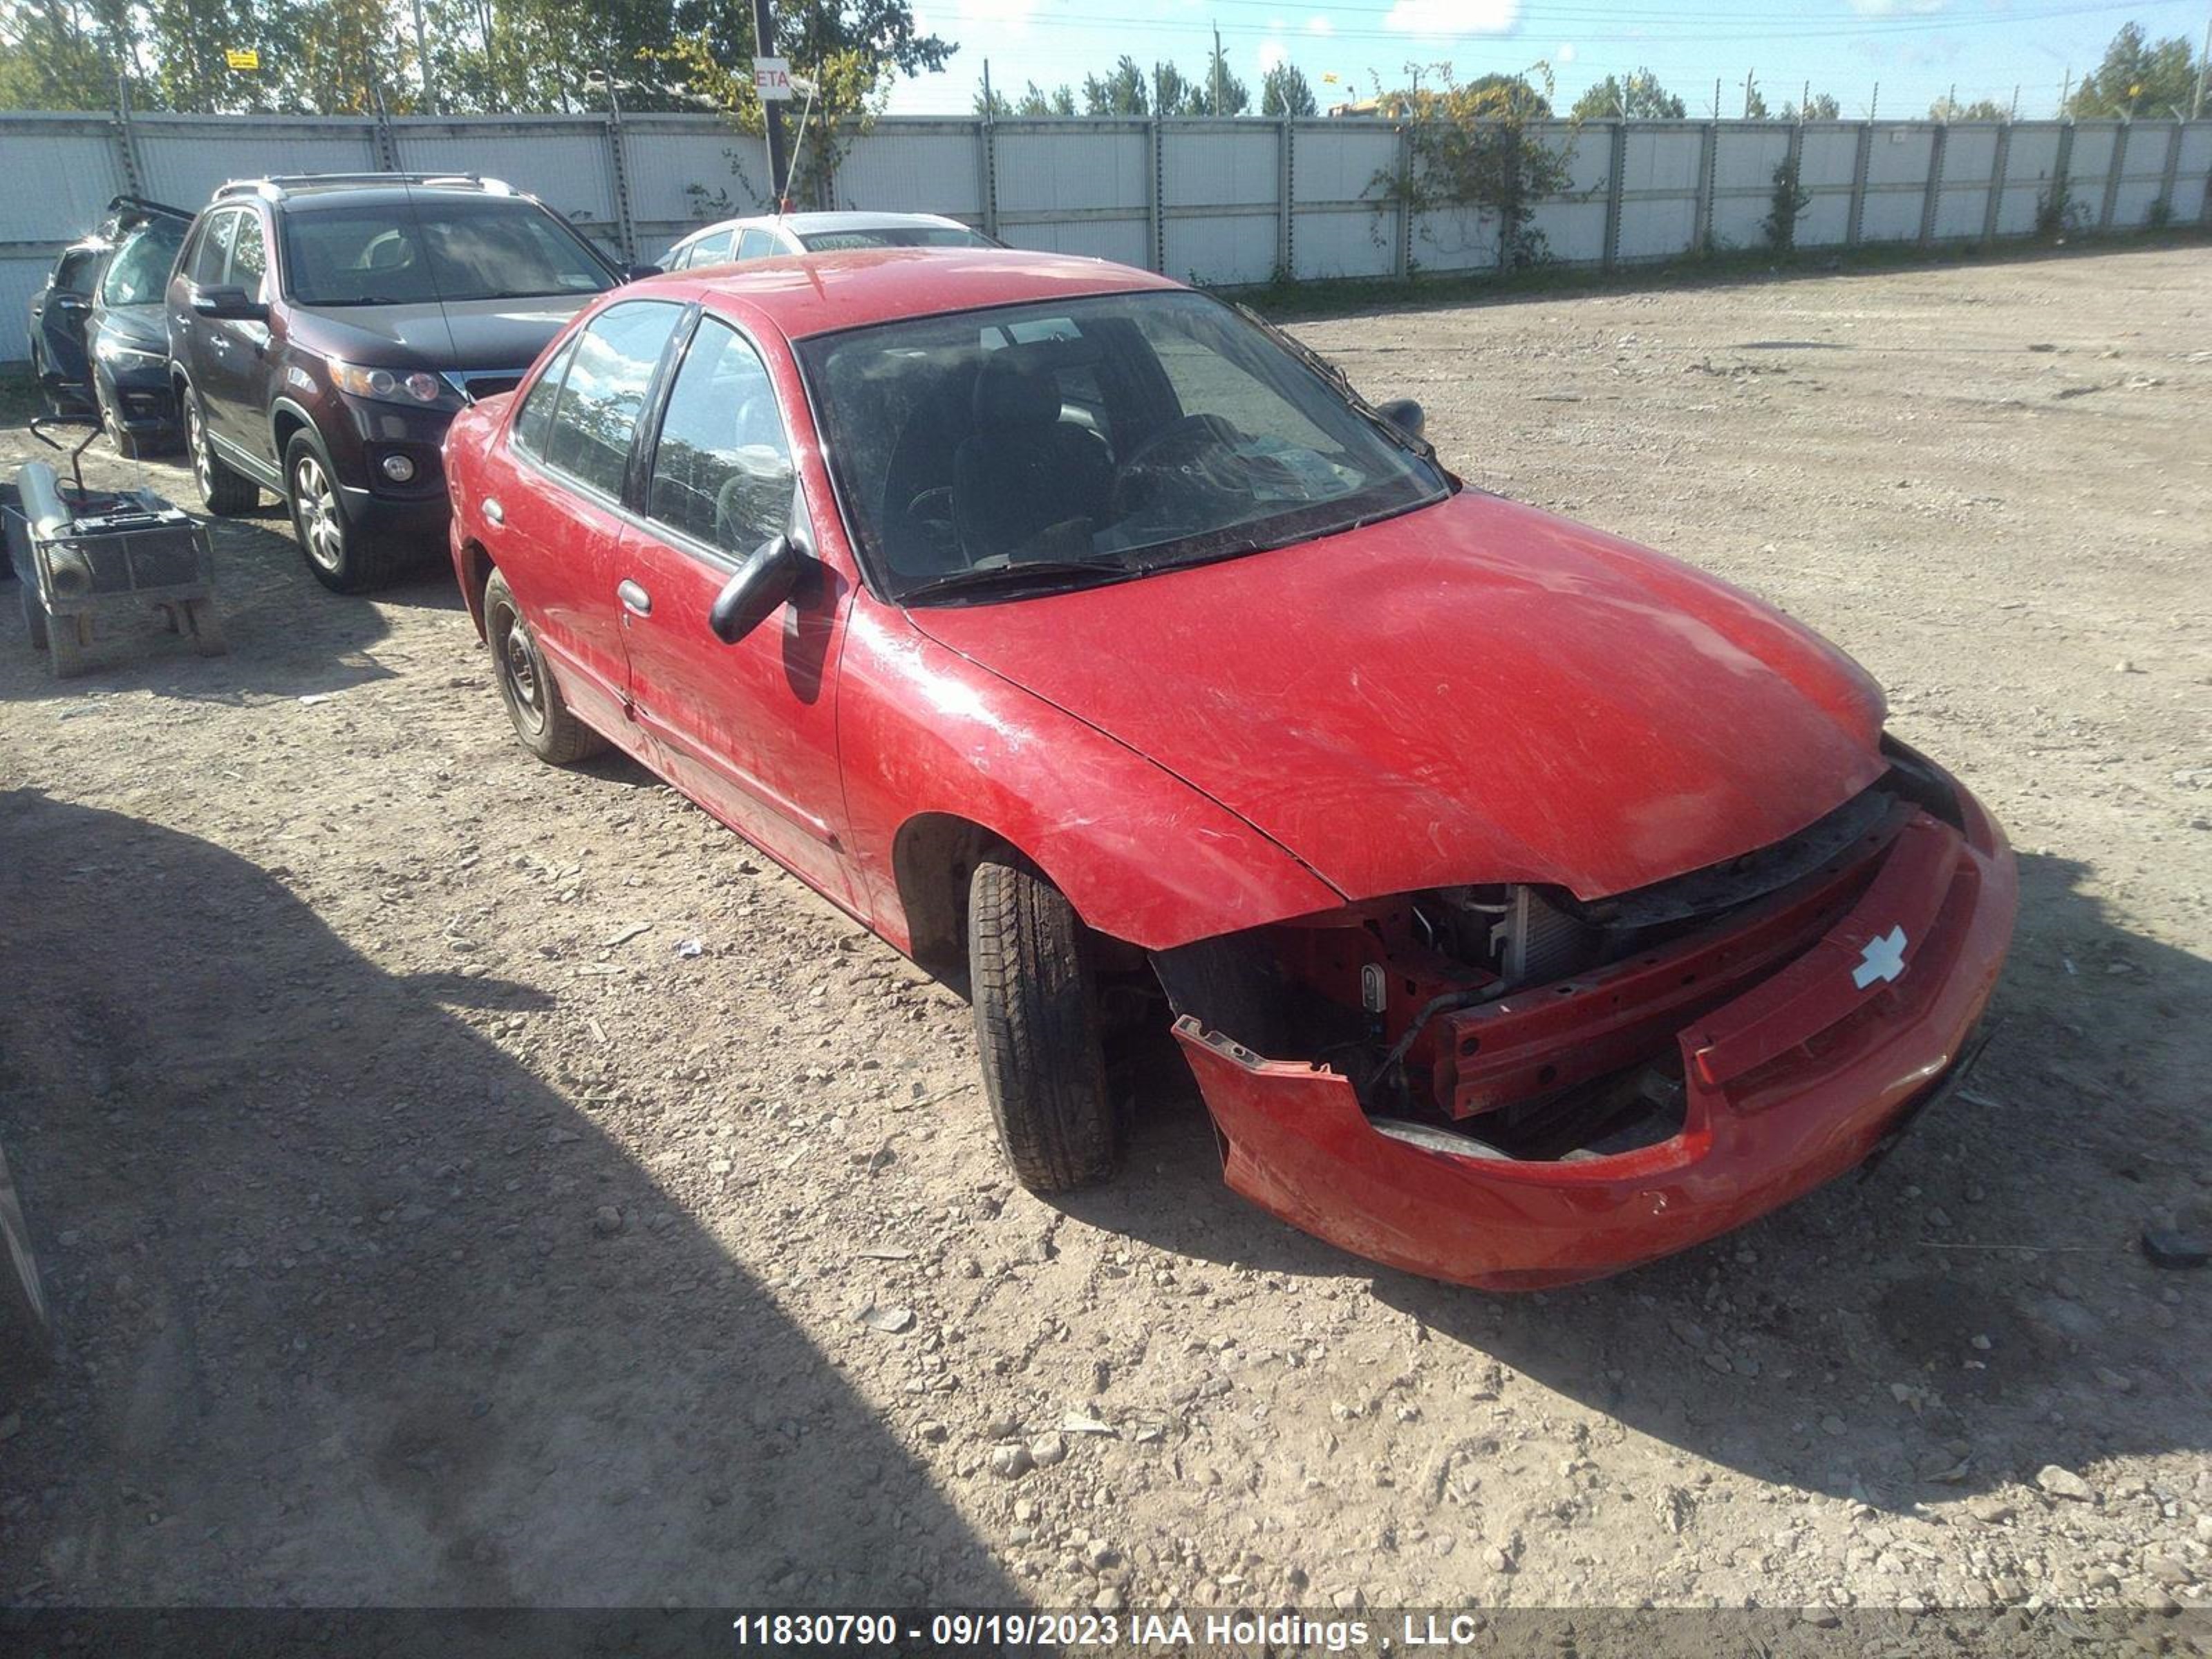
(1917, 50)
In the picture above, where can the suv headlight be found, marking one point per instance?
(110, 349)
(389, 386)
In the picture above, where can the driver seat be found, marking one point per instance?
(1023, 470)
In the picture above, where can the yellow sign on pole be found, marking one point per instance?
(246, 57)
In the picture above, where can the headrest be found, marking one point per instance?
(1015, 393)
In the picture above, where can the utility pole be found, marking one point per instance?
(2203, 62)
(1747, 94)
(1717, 98)
(990, 105)
(1217, 69)
(1804, 103)
(779, 169)
(423, 63)
(1874, 102)
(2015, 116)
(2065, 90)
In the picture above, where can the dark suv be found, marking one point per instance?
(325, 330)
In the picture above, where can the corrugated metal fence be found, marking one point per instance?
(1215, 201)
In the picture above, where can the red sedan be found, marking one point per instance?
(1528, 905)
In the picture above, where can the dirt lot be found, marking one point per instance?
(426, 1226)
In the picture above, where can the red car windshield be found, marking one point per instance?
(986, 454)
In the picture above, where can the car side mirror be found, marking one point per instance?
(229, 304)
(639, 273)
(1404, 414)
(760, 586)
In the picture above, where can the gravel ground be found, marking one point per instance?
(426, 1225)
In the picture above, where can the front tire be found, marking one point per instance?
(225, 493)
(1037, 1030)
(534, 704)
(340, 555)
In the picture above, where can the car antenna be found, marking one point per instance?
(802, 83)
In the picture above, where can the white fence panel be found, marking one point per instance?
(936, 169)
(1202, 197)
(184, 157)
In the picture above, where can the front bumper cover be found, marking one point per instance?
(1789, 1085)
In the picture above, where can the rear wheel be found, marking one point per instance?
(526, 686)
(68, 639)
(226, 493)
(1037, 1030)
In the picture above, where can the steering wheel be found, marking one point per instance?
(1173, 456)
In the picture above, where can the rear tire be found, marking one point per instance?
(1037, 1030)
(534, 704)
(224, 492)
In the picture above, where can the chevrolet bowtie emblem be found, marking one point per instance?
(1882, 959)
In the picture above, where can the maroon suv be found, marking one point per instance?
(325, 330)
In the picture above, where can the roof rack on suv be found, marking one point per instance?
(275, 186)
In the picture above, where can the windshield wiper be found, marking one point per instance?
(1047, 572)
(1337, 378)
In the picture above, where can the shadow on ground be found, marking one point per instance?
(355, 1310)
(1831, 1346)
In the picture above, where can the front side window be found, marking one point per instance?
(73, 274)
(1092, 439)
(435, 248)
(721, 467)
(609, 374)
(140, 271)
(212, 257)
(249, 255)
(709, 250)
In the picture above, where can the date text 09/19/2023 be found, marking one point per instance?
(1163, 1631)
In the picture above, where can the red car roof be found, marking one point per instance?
(819, 293)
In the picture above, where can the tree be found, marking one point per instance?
(1174, 95)
(1471, 156)
(1982, 109)
(1035, 100)
(993, 106)
(2137, 78)
(1639, 98)
(1819, 106)
(1754, 106)
(1220, 92)
(1284, 91)
(1122, 93)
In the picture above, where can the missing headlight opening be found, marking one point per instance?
(1519, 1023)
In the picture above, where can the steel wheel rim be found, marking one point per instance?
(519, 674)
(320, 530)
(195, 440)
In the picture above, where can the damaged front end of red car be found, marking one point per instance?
(1509, 1087)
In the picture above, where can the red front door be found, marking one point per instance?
(748, 730)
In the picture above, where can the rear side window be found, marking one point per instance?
(722, 468)
(608, 373)
(757, 244)
(535, 419)
(709, 250)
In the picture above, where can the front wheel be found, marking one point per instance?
(1037, 1029)
(534, 704)
(341, 555)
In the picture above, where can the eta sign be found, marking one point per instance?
(772, 80)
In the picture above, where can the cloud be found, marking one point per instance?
(1272, 56)
(1892, 8)
(1445, 18)
(1566, 53)
(982, 18)
(1320, 23)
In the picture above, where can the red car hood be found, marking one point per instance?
(1475, 692)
